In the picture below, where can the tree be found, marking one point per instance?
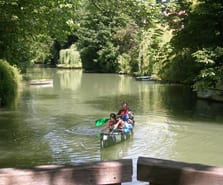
(202, 38)
(27, 32)
(22, 23)
(95, 36)
(109, 34)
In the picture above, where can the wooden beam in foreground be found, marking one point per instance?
(107, 172)
(166, 172)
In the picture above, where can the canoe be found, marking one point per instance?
(144, 78)
(41, 82)
(108, 138)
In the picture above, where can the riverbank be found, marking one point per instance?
(214, 94)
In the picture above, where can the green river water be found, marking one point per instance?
(56, 124)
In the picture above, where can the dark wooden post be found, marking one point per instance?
(107, 172)
(166, 172)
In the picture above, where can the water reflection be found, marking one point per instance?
(56, 124)
(68, 79)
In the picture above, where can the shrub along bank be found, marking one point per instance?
(9, 83)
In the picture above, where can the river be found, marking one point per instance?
(56, 124)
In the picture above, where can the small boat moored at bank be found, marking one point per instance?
(39, 82)
(144, 78)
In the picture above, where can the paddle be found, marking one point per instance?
(101, 122)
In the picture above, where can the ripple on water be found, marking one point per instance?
(153, 138)
(67, 146)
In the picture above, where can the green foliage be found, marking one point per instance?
(109, 35)
(124, 66)
(107, 58)
(95, 40)
(202, 38)
(203, 27)
(92, 38)
(24, 22)
(211, 61)
(178, 41)
(154, 49)
(180, 68)
(69, 58)
(126, 40)
(9, 83)
(40, 48)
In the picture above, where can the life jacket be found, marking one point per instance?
(123, 112)
(111, 123)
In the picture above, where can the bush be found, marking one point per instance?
(9, 83)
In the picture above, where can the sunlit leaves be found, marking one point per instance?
(23, 21)
(206, 79)
(204, 56)
(212, 67)
(202, 36)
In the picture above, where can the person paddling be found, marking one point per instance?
(114, 124)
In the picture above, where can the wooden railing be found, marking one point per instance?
(166, 172)
(109, 172)
(154, 171)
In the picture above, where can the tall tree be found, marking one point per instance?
(199, 45)
(23, 21)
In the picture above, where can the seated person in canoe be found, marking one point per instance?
(114, 123)
(126, 114)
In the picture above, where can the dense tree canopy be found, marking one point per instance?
(29, 27)
(28, 32)
(177, 41)
(199, 44)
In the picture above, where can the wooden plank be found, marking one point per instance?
(167, 172)
(107, 172)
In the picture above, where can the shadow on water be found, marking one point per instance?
(20, 145)
(173, 101)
